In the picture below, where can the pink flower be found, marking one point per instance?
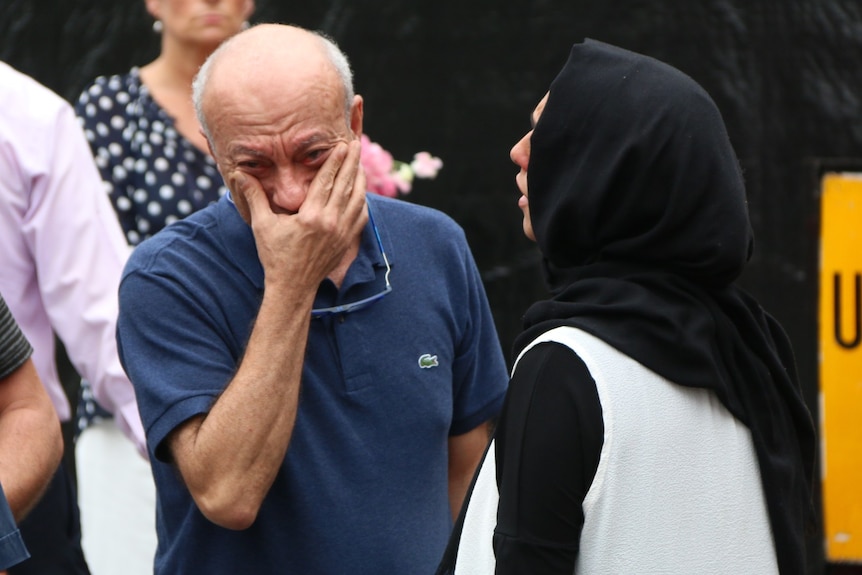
(402, 175)
(425, 165)
(388, 177)
(377, 164)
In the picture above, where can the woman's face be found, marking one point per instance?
(520, 154)
(201, 22)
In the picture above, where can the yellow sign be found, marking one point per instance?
(840, 340)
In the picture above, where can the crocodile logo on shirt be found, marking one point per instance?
(426, 361)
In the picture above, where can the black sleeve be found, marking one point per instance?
(14, 347)
(548, 444)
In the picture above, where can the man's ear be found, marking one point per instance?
(209, 144)
(212, 153)
(356, 110)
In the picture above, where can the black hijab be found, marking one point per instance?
(638, 205)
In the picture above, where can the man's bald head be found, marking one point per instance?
(259, 58)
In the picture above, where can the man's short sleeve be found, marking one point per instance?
(14, 347)
(173, 348)
(480, 377)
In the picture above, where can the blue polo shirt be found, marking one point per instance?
(363, 488)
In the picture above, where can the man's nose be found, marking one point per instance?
(290, 190)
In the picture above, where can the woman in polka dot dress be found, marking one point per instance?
(145, 138)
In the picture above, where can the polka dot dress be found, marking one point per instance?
(153, 175)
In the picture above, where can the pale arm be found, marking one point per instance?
(465, 453)
(79, 250)
(230, 456)
(31, 443)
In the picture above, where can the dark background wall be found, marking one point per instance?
(459, 77)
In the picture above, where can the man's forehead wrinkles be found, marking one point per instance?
(245, 150)
(309, 140)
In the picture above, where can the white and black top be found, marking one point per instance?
(604, 467)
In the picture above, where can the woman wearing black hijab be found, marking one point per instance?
(654, 422)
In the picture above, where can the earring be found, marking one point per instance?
(157, 26)
(245, 25)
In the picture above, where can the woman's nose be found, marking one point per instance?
(520, 152)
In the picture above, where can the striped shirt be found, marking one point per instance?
(14, 347)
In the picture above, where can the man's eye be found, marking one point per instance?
(249, 165)
(314, 155)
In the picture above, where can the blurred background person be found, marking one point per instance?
(63, 253)
(147, 143)
(31, 444)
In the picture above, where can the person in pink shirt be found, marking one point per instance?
(62, 257)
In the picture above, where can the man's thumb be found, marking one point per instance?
(247, 193)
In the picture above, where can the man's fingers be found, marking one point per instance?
(322, 186)
(360, 182)
(354, 208)
(345, 180)
(248, 195)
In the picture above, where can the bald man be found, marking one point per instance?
(316, 368)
